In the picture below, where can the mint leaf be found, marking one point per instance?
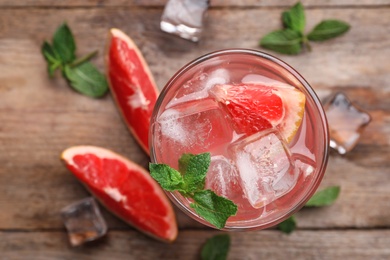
(284, 41)
(167, 177)
(64, 44)
(324, 197)
(86, 79)
(288, 225)
(216, 248)
(328, 29)
(52, 58)
(194, 169)
(294, 18)
(213, 208)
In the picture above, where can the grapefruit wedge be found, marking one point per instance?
(124, 188)
(132, 85)
(255, 107)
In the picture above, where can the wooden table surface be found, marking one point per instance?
(40, 117)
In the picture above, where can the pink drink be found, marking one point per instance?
(268, 177)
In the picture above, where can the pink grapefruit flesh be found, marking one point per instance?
(256, 107)
(132, 84)
(124, 188)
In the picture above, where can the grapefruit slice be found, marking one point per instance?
(132, 85)
(124, 188)
(256, 107)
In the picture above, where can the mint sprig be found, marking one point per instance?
(190, 182)
(325, 197)
(292, 38)
(82, 75)
(216, 248)
(288, 225)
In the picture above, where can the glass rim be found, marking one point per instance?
(320, 111)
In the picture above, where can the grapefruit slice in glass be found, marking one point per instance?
(124, 188)
(256, 107)
(131, 83)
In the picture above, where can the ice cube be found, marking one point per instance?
(346, 123)
(184, 18)
(222, 177)
(83, 221)
(198, 86)
(265, 167)
(193, 127)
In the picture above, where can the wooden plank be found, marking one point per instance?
(41, 117)
(343, 244)
(213, 3)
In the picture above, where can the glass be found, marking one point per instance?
(186, 119)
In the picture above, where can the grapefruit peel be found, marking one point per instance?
(124, 188)
(131, 83)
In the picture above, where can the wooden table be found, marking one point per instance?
(40, 117)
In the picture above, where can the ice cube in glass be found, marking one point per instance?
(265, 167)
(192, 127)
(222, 177)
(83, 221)
(184, 18)
(346, 122)
(199, 85)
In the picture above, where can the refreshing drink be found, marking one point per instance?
(263, 125)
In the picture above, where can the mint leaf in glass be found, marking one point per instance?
(328, 29)
(324, 197)
(194, 169)
(190, 181)
(86, 79)
(64, 44)
(216, 248)
(52, 58)
(288, 225)
(283, 41)
(213, 208)
(168, 178)
(294, 18)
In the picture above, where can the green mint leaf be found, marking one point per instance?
(213, 208)
(167, 177)
(324, 197)
(52, 58)
(288, 225)
(64, 44)
(216, 248)
(283, 41)
(294, 18)
(86, 79)
(194, 169)
(328, 29)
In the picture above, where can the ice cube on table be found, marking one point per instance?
(184, 18)
(222, 178)
(265, 168)
(83, 221)
(194, 127)
(346, 123)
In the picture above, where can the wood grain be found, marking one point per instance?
(213, 3)
(353, 244)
